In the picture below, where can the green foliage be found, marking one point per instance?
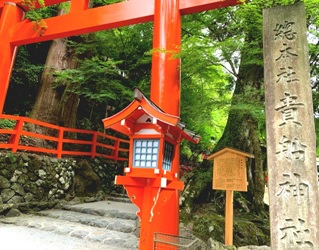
(25, 77)
(11, 158)
(25, 71)
(251, 102)
(251, 230)
(317, 135)
(209, 226)
(105, 2)
(30, 4)
(96, 79)
(232, 37)
(248, 229)
(112, 62)
(37, 14)
(206, 88)
(7, 124)
(312, 13)
(199, 187)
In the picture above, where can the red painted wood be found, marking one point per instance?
(79, 5)
(94, 142)
(186, 6)
(60, 143)
(91, 20)
(18, 131)
(15, 32)
(37, 6)
(165, 82)
(10, 16)
(96, 19)
(194, 6)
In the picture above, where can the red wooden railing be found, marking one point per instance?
(61, 141)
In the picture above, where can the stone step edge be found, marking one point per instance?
(124, 199)
(111, 243)
(27, 207)
(101, 212)
(131, 227)
(66, 228)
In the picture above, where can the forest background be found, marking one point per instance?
(78, 81)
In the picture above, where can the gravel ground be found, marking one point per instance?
(17, 238)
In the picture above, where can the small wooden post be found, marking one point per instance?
(18, 128)
(230, 174)
(15, 128)
(229, 215)
(60, 142)
(94, 144)
(115, 152)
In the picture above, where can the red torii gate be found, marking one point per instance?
(165, 81)
(15, 31)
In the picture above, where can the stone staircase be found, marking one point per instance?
(108, 224)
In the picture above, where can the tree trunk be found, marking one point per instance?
(56, 105)
(241, 131)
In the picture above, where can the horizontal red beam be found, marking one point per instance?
(40, 136)
(36, 149)
(103, 18)
(15, 144)
(188, 6)
(194, 6)
(91, 20)
(37, 6)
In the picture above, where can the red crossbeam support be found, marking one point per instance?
(186, 6)
(102, 18)
(37, 6)
(91, 20)
(80, 20)
(79, 5)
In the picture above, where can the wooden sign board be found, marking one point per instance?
(230, 171)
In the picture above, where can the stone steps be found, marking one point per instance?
(110, 209)
(114, 225)
(110, 223)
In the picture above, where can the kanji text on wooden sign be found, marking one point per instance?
(230, 170)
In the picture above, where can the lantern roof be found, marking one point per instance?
(142, 113)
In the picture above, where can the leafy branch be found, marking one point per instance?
(35, 16)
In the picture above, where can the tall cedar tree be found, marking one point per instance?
(56, 105)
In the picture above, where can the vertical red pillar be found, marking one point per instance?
(10, 15)
(159, 209)
(165, 82)
(165, 93)
(79, 5)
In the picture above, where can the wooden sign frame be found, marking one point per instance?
(230, 174)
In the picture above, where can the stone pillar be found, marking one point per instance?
(291, 151)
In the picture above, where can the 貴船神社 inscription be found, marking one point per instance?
(291, 151)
